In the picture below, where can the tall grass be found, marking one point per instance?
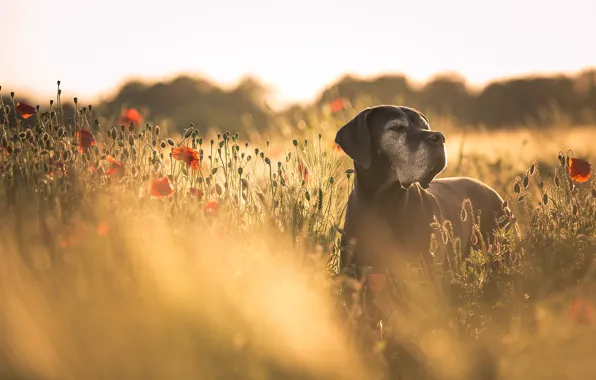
(235, 274)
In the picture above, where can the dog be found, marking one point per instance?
(395, 198)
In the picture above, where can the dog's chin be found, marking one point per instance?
(439, 165)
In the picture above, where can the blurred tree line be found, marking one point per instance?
(518, 102)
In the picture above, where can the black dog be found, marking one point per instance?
(390, 211)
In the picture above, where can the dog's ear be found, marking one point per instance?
(355, 140)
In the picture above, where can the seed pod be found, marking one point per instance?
(526, 182)
(545, 199)
(516, 188)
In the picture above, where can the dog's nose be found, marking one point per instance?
(436, 138)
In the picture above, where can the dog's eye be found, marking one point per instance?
(396, 127)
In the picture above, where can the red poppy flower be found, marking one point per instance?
(116, 167)
(103, 229)
(303, 172)
(376, 282)
(337, 105)
(583, 311)
(56, 167)
(196, 193)
(69, 237)
(211, 207)
(188, 155)
(25, 110)
(85, 139)
(161, 187)
(131, 115)
(579, 170)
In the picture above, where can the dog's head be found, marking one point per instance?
(397, 141)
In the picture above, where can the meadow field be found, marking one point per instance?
(132, 252)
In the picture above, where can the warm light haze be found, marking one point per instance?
(294, 47)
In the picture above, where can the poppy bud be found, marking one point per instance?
(163, 145)
(131, 140)
(76, 100)
(188, 132)
(171, 142)
(131, 126)
(157, 130)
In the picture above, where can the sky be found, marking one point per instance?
(296, 48)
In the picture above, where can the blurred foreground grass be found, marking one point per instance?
(125, 255)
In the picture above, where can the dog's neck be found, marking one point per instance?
(372, 184)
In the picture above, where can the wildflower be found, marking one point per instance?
(25, 110)
(103, 228)
(211, 207)
(583, 311)
(69, 236)
(116, 167)
(188, 155)
(161, 187)
(303, 172)
(131, 115)
(56, 167)
(579, 170)
(85, 139)
(337, 105)
(196, 193)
